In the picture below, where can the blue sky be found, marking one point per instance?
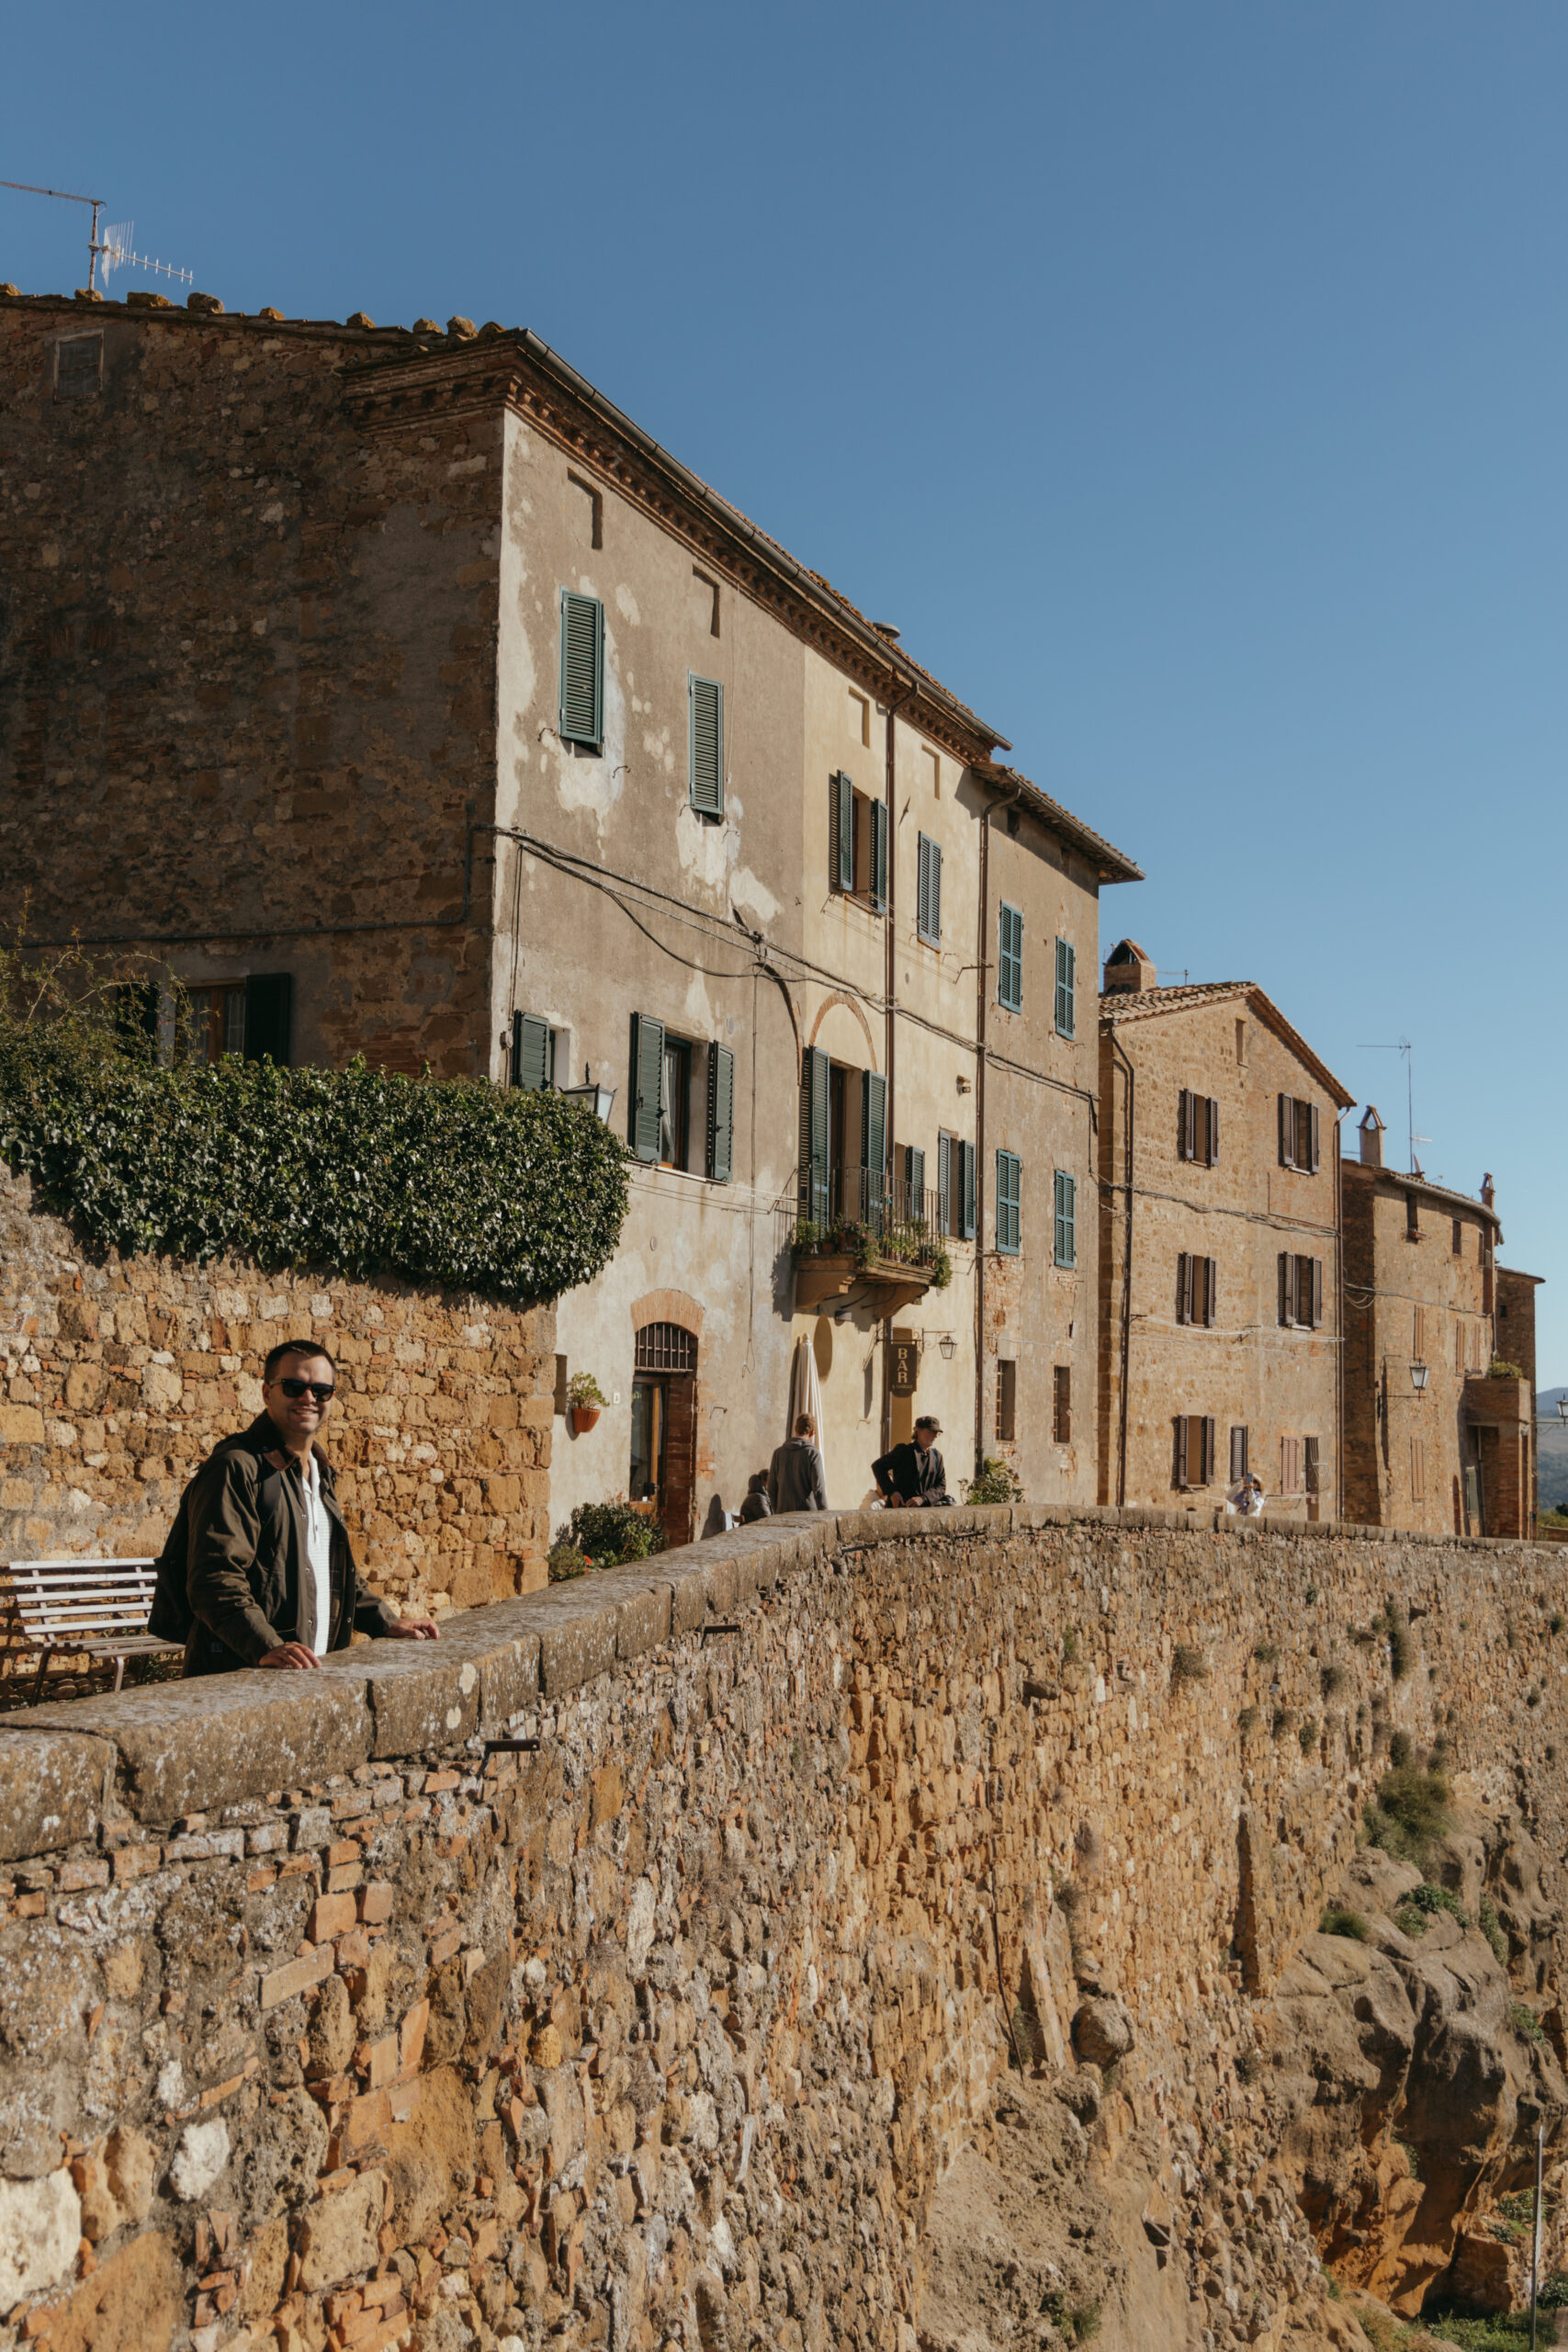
(1187, 381)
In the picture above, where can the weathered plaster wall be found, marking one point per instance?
(320, 2018)
(120, 1375)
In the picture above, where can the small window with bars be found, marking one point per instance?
(79, 368)
(1007, 1401)
(1009, 958)
(665, 1347)
(1062, 1404)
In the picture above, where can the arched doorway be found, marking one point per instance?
(663, 1473)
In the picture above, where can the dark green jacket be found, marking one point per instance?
(246, 1542)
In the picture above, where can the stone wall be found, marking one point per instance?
(121, 1375)
(632, 1966)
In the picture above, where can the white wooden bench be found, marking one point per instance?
(94, 1607)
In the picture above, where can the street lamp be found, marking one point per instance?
(1418, 1378)
(597, 1099)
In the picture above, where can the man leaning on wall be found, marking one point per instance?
(269, 1569)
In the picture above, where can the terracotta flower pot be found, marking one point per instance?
(582, 1418)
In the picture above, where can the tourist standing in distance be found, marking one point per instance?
(269, 1570)
(913, 1475)
(795, 1479)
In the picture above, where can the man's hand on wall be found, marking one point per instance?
(413, 1629)
(290, 1654)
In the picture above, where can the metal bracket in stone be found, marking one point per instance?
(510, 1748)
(721, 1625)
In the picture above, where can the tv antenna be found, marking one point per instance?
(1404, 1046)
(114, 248)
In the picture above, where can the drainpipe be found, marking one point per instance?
(1339, 1334)
(982, 967)
(1116, 1049)
(890, 991)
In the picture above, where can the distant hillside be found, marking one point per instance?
(1551, 1438)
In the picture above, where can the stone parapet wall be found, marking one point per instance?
(633, 1964)
(118, 1377)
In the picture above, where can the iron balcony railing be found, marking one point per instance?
(864, 1196)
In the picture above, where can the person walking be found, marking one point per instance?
(795, 1479)
(913, 1475)
(269, 1569)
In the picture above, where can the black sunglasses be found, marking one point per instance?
(320, 1389)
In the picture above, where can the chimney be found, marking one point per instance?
(1488, 1190)
(1372, 1138)
(1128, 970)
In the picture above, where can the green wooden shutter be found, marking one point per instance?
(879, 855)
(841, 814)
(533, 1052)
(1009, 1173)
(1286, 1132)
(915, 1177)
(936, 897)
(721, 1114)
(944, 1184)
(648, 1080)
(1009, 958)
(966, 1191)
(927, 897)
(704, 698)
(873, 1140)
(269, 1017)
(814, 1135)
(1066, 987)
(1065, 1238)
(582, 670)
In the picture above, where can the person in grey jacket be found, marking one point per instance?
(795, 1480)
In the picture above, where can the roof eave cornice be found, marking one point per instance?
(518, 372)
(1145, 1004)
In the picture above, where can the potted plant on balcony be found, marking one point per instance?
(585, 1399)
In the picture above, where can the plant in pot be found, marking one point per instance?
(585, 1399)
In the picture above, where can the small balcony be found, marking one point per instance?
(860, 1231)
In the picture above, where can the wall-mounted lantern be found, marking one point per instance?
(1418, 1378)
(597, 1099)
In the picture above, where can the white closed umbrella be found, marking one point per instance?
(805, 1394)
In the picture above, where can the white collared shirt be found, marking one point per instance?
(316, 1583)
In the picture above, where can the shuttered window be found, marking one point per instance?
(1418, 1470)
(533, 1052)
(1009, 1203)
(842, 831)
(706, 745)
(1065, 1248)
(721, 1114)
(1006, 1402)
(879, 855)
(928, 892)
(1197, 1127)
(944, 1184)
(814, 1135)
(1009, 958)
(873, 1139)
(966, 1191)
(1312, 1465)
(582, 670)
(647, 1085)
(1062, 1404)
(78, 367)
(1194, 1463)
(1067, 963)
(1289, 1466)
(1197, 1289)
(1298, 1136)
(1301, 1289)
(915, 1178)
(1239, 1456)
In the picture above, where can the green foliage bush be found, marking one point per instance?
(1423, 1903)
(1410, 1814)
(607, 1534)
(997, 1482)
(1524, 2020)
(1493, 1929)
(1339, 1920)
(516, 1195)
(564, 1561)
(1188, 1664)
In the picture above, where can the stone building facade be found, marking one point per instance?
(1438, 1436)
(396, 694)
(1218, 1319)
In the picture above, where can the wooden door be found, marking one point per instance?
(680, 1456)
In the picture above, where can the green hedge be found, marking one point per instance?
(517, 1195)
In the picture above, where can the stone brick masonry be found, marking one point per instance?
(327, 2020)
(119, 1377)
